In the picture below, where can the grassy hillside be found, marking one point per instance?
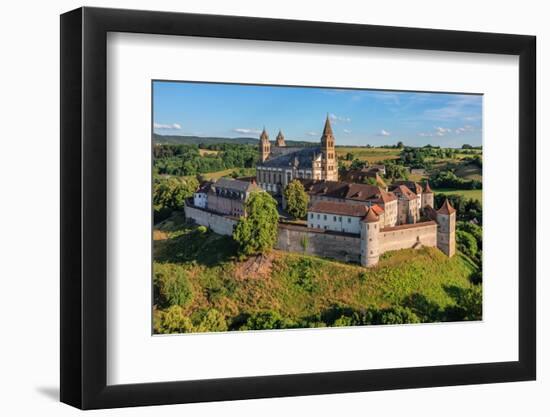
(279, 290)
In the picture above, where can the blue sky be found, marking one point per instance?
(359, 117)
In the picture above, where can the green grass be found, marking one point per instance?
(370, 155)
(472, 194)
(297, 286)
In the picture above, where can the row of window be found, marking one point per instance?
(312, 216)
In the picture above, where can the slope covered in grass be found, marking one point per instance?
(215, 290)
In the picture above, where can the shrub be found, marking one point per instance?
(210, 320)
(171, 285)
(266, 320)
(171, 320)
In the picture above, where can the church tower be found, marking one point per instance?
(280, 141)
(265, 146)
(330, 165)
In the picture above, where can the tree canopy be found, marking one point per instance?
(169, 195)
(257, 231)
(296, 199)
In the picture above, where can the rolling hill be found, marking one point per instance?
(197, 140)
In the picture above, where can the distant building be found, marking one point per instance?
(200, 197)
(362, 176)
(225, 196)
(280, 164)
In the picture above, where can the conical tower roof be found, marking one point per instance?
(280, 140)
(371, 216)
(327, 131)
(264, 136)
(427, 188)
(446, 208)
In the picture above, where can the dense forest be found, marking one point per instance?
(185, 160)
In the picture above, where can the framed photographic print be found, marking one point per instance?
(257, 208)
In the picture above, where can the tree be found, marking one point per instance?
(266, 320)
(257, 231)
(171, 320)
(296, 199)
(349, 156)
(400, 145)
(370, 181)
(169, 195)
(171, 285)
(396, 172)
(466, 244)
(357, 164)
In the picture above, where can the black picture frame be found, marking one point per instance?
(84, 207)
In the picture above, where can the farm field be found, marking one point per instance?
(471, 194)
(370, 155)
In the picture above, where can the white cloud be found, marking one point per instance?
(312, 133)
(336, 119)
(442, 131)
(384, 133)
(173, 126)
(247, 131)
(347, 131)
(463, 129)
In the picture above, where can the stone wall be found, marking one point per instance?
(322, 243)
(221, 225)
(325, 243)
(408, 236)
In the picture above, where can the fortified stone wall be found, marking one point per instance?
(219, 224)
(408, 236)
(323, 243)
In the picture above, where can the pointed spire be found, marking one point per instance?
(280, 141)
(427, 189)
(264, 136)
(371, 216)
(446, 208)
(327, 131)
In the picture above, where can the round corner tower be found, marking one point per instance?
(370, 231)
(446, 226)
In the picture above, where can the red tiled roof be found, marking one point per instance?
(330, 207)
(377, 209)
(371, 216)
(404, 191)
(411, 185)
(349, 191)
